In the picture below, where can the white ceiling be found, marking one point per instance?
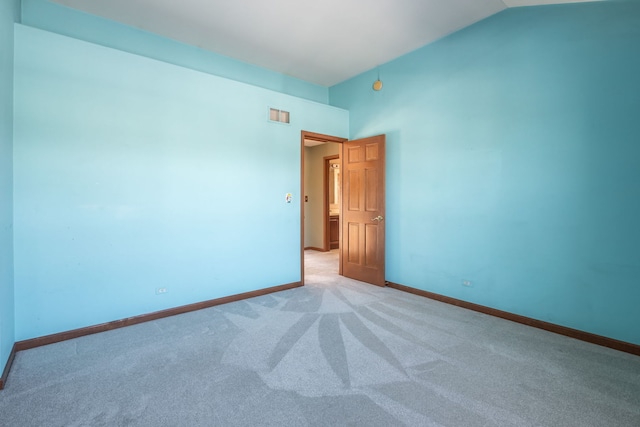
(319, 41)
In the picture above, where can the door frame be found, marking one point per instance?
(323, 138)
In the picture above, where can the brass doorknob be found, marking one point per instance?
(378, 218)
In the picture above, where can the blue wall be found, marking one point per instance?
(513, 157)
(70, 22)
(131, 174)
(9, 13)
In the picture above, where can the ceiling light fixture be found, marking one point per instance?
(377, 85)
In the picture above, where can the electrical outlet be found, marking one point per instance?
(467, 283)
(161, 291)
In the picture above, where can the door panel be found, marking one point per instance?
(363, 210)
(353, 183)
(371, 245)
(354, 154)
(371, 190)
(353, 239)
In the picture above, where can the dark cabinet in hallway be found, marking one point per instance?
(334, 232)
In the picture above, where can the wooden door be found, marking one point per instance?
(362, 212)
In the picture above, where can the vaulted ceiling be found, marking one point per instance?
(319, 41)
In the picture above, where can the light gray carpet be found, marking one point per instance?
(336, 352)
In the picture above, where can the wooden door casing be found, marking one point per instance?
(304, 135)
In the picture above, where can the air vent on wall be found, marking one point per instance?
(278, 115)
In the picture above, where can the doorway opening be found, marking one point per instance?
(320, 202)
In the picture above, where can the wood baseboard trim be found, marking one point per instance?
(7, 367)
(313, 248)
(103, 327)
(540, 324)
